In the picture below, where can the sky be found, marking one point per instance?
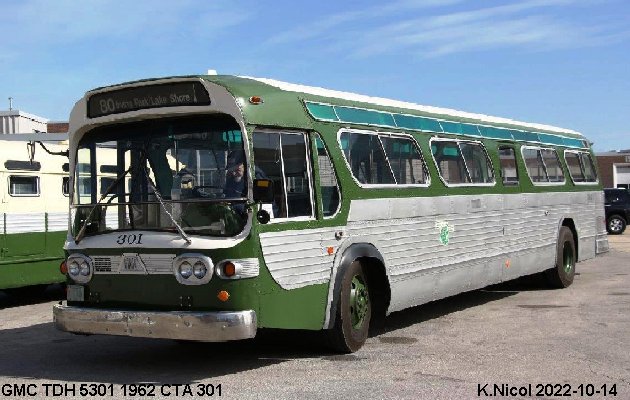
(559, 62)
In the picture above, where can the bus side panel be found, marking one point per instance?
(441, 246)
(31, 272)
(30, 256)
(302, 308)
(298, 261)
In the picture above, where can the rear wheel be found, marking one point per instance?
(615, 225)
(562, 274)
(354, 311)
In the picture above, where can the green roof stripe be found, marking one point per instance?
(363, 116)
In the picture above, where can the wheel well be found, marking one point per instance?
(568, 222)
(378, 284)
(617, 214)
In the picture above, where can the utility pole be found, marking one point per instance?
(10, 103)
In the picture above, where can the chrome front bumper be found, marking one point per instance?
(217, 326)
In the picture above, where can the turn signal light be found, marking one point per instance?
(223, 295)
(256, 100)
(63, 267)
(229, 269)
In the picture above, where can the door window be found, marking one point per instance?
(282, 158)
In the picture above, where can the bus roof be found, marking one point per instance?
(289, 99)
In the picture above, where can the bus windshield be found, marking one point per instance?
(162, 175)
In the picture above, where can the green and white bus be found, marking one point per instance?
(34, 210)
(242, 203)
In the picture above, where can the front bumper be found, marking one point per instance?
(217, 326)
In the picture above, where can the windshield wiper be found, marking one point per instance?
(159, 197)
(81, 233)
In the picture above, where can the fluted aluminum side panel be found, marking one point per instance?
(299, 258)
(492, 238)
(24, 223)
(58, 221)
(487, 231)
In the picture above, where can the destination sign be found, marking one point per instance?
(150, 96)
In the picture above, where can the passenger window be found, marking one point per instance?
(479, 168)
(282, 157)
(365, 155)
(575, 169)
(509, 172)
(535, 165)
(450, 162)
(590, 173)
(461, 162)
(327, 180)
(552, 165)
(23, 185)
(405, 159)
(65, 186)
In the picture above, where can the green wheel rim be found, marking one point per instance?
(359, 301)
(567, 257)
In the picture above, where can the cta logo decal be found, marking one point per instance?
(444, 229)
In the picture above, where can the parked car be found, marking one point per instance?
(617, 205)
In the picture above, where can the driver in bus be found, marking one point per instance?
(235, 175)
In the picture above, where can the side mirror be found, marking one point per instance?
(263, 190)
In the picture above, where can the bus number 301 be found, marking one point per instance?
(129, 239)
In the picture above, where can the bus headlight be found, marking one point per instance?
(80, 268)
(84, 268)
(193, 269)
(73, 269)
(200, 270)
(185, 270)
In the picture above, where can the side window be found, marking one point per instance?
(575, 169)
(282, 157)
(461, 162)
(65, 186)
(450, 162)
(552, 165)
(509, 172)
(535, 165)
(590, 173)
(327, 180)
(23, 185)
(405, 160)
(83, 181)
(479, 167)
(366, 158)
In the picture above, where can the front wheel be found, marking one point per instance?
(615, 225)
(562, 274)
(354, 311)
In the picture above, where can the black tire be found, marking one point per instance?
(354, 311)
(562, 274)
(615, 224)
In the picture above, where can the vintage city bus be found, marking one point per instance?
(241, 203)
(34, 194)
